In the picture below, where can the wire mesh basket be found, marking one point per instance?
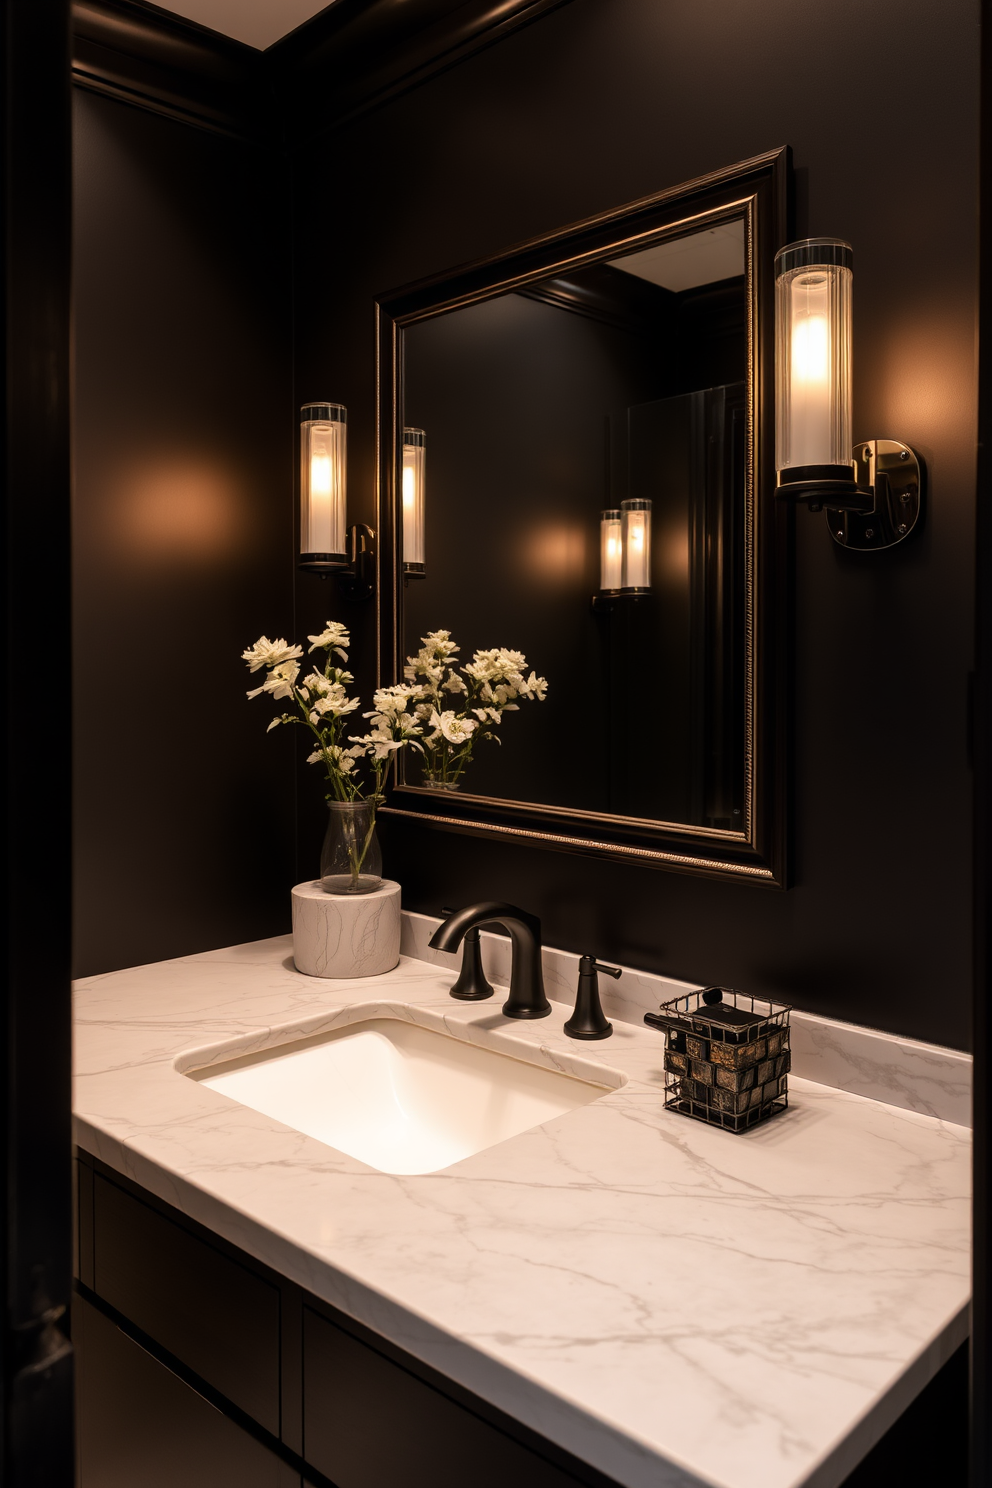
(727, 1056)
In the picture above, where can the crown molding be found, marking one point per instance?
(357, 55)
(145, 56)
(353, 57)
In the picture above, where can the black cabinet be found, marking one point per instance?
(140, 1426)
(197, 1364)
(369, 1422)
(216, 1316)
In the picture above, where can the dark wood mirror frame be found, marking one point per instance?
(758, 191)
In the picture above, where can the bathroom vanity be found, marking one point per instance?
(610, 1294)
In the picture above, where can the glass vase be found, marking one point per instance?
(350, 860)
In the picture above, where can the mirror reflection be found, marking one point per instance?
(579, 458)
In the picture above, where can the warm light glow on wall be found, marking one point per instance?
(178, 509)
(323, 482)
(414, 495)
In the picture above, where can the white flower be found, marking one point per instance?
(279, 682)
(456, 730)
(336, 758)
(333, 637)
(439, 643)
(392, 702)
(379, 744)
(269, 653)
(336, 702)
(534, 687)
(455, 683)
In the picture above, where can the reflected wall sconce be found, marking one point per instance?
(624, 554)
(872, 493)
(635, 531)
(414, 467)
(327, 544)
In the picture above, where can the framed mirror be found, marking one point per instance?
(576, 467)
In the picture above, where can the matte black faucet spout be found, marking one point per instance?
(526, 999)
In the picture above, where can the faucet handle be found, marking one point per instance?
(588, 1021)
(613, 971)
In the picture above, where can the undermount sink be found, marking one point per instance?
(399, 1097)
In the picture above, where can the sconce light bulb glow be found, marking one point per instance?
(610, 550)
(813, 356)
(323, 480)
(413, 497)
(636, 544)
(320, 475)
(810, 350)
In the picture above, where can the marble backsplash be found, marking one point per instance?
(865, 1061)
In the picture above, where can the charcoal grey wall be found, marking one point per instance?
(598, 103)
(184, 822)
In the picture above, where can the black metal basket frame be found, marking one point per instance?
(731, 1076)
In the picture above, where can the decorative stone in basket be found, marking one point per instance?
(727, 1056)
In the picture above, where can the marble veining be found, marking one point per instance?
(673, 1304)
(346, 935)
(919, 1077)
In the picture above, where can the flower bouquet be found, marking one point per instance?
(457, 706)
(442, 710)
(356, 766)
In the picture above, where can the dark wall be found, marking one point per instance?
(598, 103)
(184, 823)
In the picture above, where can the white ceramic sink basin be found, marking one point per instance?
(397, 1096)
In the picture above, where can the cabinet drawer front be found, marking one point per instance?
(367, 1422)
(216, 1316)
(138, 1424)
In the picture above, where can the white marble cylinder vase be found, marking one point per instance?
(346, 935)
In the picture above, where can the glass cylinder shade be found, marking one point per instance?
(610, 551)
(323, 482)
(414, 466)
(813, 282)
(635, 529)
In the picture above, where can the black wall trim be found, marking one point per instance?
(353, 57)
(36, 1372)
(142, 55)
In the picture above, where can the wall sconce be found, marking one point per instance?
(327, 544)
(635, 533)
(610, 552)
(624, 554)
(414, 463)
(873, 494)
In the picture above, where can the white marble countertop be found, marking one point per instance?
(673, 1304)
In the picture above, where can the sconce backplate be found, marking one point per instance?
(896, 476)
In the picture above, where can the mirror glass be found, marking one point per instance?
(622, 381)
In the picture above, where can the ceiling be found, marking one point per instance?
(685, 263)
(258, 23)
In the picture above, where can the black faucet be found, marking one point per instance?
(526, 999)
(471, 985)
